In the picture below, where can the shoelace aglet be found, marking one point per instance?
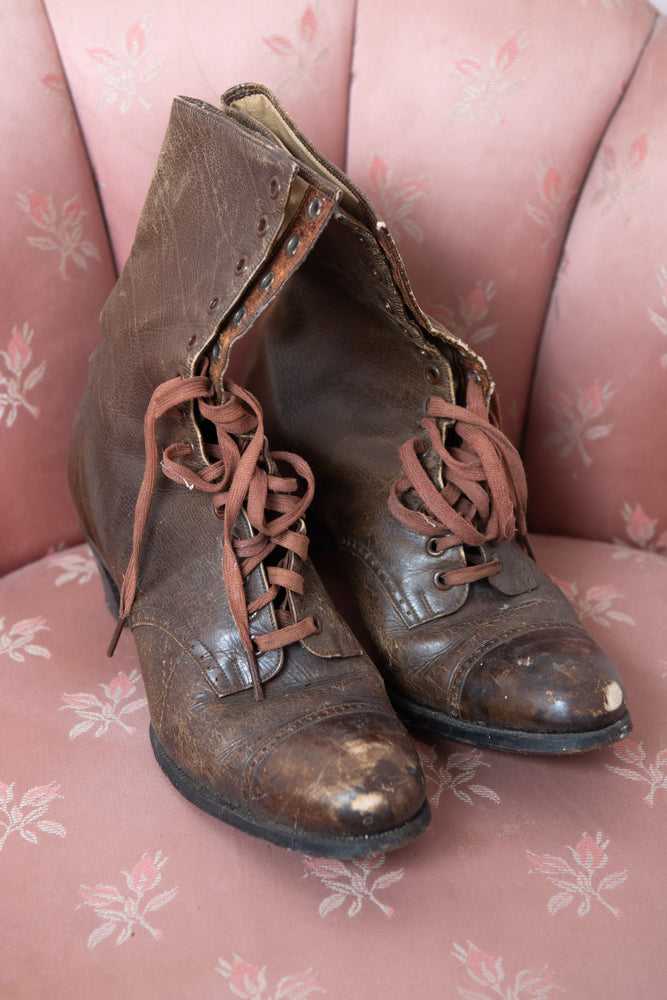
(120, 624)
(257, 689)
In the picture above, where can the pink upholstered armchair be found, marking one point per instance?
(517, 152)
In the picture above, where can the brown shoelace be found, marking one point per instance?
(235, 478)
(484, 494)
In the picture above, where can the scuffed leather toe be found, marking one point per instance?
(549, 681)
(350, 774)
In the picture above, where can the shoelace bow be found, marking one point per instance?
(484, 494)
(235, 478)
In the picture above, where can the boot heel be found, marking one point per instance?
(111, 594)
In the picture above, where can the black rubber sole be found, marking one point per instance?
(510, 740)
(319, 844)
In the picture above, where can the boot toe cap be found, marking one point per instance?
(554, 680)
(348, 775)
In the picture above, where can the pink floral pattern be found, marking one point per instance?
(75, 566)
(127, 69)
(642, 532)
(489, 973)
(301, 54)
(57, 86)
(556, 201)
(249, 982)
(486, 84)
(576, 421)
(580, 878)
(353, 882)
(15, 383)
(622, 175)
(469, 320)
(103, 714)
(19, 640)
(638, 768)
(457, 775)
(595, 603)
(28, 814)
(394, 200)
(123, 911)
(63, 230)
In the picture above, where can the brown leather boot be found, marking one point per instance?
(422, 492)
(265, 711)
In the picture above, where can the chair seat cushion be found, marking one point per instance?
(541, 872)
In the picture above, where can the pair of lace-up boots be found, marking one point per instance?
(192, 490)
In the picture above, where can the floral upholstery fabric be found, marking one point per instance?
(516, 151)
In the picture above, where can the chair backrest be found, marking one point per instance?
(514, 149)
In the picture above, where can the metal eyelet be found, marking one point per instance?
(432, 374)
(274, 187)
(240, 265)
(314, 208)
(239, 316)
(216, 352)
(440, 582)
(192, 340)
(262, 225)
(431, 546)
(292, 245)
(318, 625)
(388, 306)
(219, 512)
(266, 282)
(376, 273)
(213, 305)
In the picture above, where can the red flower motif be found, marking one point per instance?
(590, 853)
(608, 155)
(28, 626)
(279, 44)
(121, 687)
(40, 795)
(6, 794)
(475, 304)
(55, 83)
(630, 751)
(41, 209)
(603, 593)
(591, 402)
(73, 212)
(308, 25)
(135, 41)
(378, 173)
(77, 701)
(507, 54)
(551, 185)
(640, 526)
(144, 876)
(245, 980)
(468, 67)
(483, 968)
(18, 352)
(637, 152)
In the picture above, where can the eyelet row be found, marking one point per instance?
(241, 265)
